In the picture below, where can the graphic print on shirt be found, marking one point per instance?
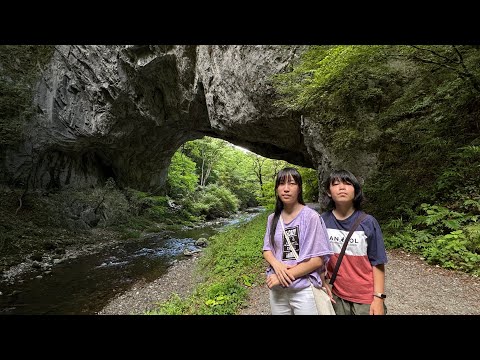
(357, 245)
(287, 253)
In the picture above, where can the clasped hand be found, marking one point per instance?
(282, 275)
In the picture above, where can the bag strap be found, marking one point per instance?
(291, 246)
(360, 218)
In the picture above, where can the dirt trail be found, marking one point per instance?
(413, 288)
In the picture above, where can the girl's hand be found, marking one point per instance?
(376, 307)
(272, 280)
(329, 291)
(327, 287)
(283, 276)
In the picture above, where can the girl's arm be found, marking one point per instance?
(305, 267)
(376, 308)
(280, 269)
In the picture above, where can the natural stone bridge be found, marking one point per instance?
(123, 111)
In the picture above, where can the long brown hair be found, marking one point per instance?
(282, 176)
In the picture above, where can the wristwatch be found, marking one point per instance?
(380, 295)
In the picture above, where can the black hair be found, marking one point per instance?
(343, 176)
(283, 176)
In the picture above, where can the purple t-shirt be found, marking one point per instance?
(308, 234)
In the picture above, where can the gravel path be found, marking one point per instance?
(413, 288)
(180, 279)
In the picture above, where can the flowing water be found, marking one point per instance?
(86, 284)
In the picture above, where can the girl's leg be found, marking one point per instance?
(344, 307)
(279, 302)
(360, 309)
(341, 307)
(303, 302)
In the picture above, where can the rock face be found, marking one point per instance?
(123, 111)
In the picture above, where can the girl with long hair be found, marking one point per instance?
(288, 278)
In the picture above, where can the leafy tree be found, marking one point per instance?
(414, 110)
(234, 173)
(398, 104)
(206, 153)
(258, 165)
(215, 201)
(181, 178)
(310, 184)
(319, 69)
(460, 60)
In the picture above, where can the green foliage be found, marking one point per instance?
(206, 153)
(234, 171)
(214, 162)
(157, 206)
(230, 265)
(452, 253)
(77, 216)
(412, 108)
(107, 202)
(439, 218)
(419, 151)
(458, 183)
(445, 237)
(319, 69)
(461, 60)
(137, 201)
(407, 107)
(174, 306)
(215, 201)
(126, 233)
(472, 234)
(223, 298)
(181, 179)
(58, 219)
(310, 184)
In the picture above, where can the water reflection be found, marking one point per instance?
(86, 284)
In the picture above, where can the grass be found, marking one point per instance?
(231, 264)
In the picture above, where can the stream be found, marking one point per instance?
(85, 285)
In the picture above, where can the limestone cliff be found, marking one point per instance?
(123, 111)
